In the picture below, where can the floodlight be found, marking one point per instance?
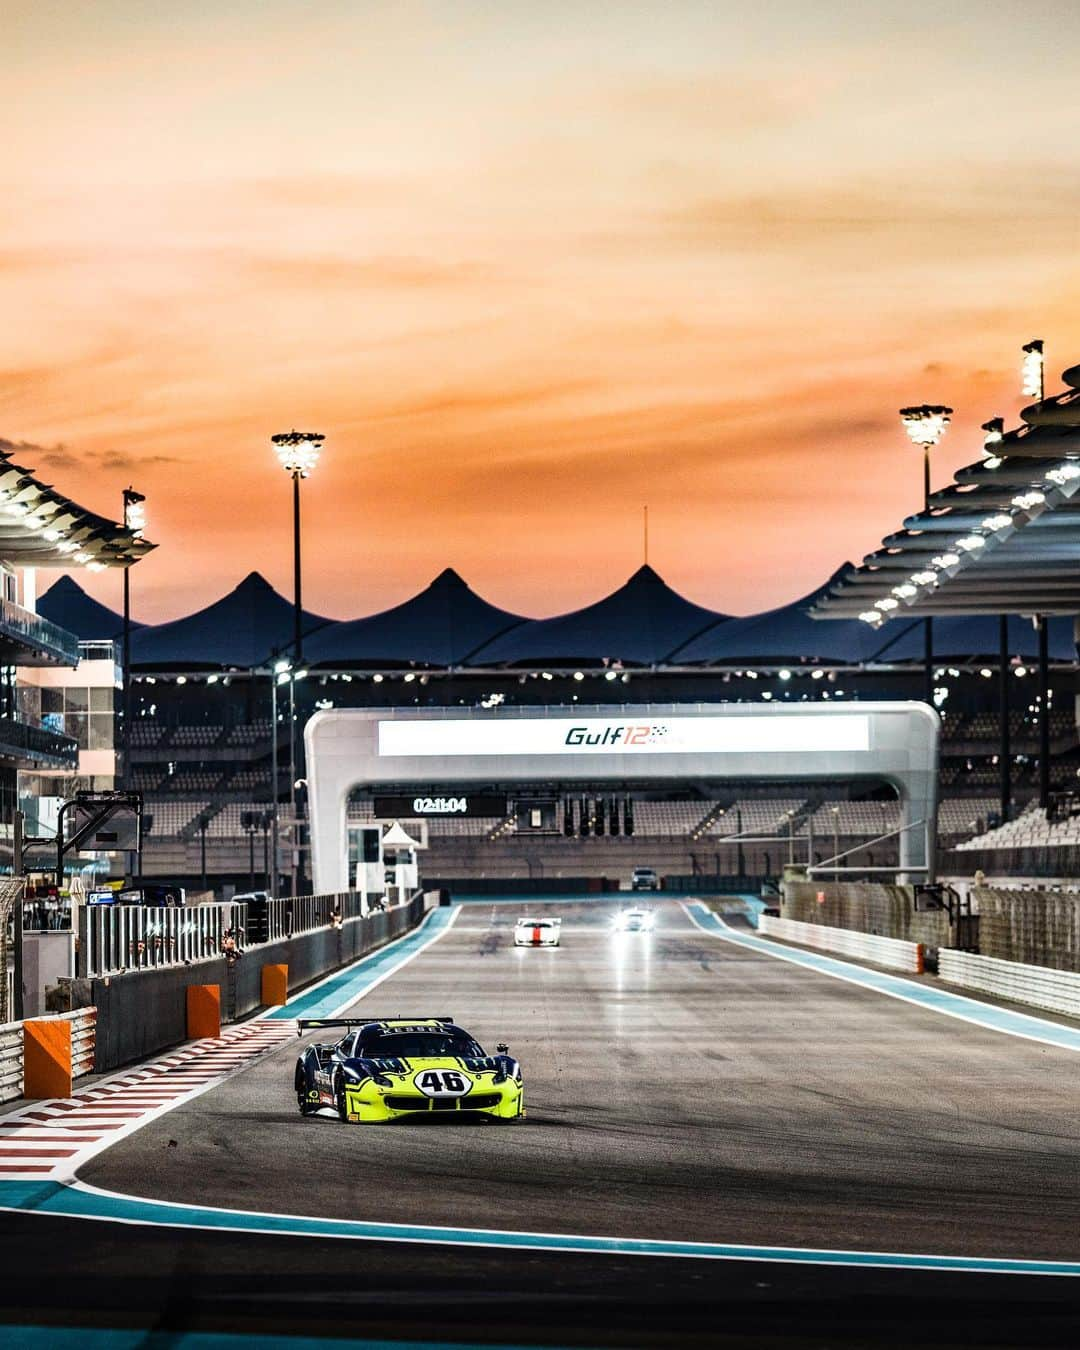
(298, 451)
(925, 424)
(1033, 370)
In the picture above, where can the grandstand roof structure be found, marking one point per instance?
(243, 630)
(641, 624)
(1003, 538)
(39, 527)
(788, 634)
(66, 603)
(976, 637)
(439, 627)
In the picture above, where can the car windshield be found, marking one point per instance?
(420, 1045)
(534, 923)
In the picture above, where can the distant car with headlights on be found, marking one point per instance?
(644, 879)
(537, 932)
(384, 1069)
(635, 921)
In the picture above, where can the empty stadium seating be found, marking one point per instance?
(755, 816)
(172, 816)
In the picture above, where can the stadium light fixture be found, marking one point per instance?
(924, 578)
(298, 453)
(925, 426)
(997, 522)
(1033, 370)
(784, 674)
(995, 434)
(280, 667)
(1064, 473)
(134, 504)
(1026, 500)
(971, 543)
(870, 616)
(905, 590)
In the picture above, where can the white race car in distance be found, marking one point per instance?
(635, 921)
(537, 932)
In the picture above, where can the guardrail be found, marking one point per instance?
(11, 1061)
(1037, 986)
(83, 1049)
(113, 939)
(895, 953)
(83, 1040)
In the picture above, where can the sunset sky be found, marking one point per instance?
(528, 267)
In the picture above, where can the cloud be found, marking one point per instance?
(61, 456)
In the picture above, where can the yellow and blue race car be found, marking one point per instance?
(393, 1068)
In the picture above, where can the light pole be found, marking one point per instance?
(298, 453)
(925, 426)
(135, 521)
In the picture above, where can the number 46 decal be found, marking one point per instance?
(442, 1083)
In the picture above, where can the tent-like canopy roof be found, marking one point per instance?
(640, 624)
(439, 627)
(1003, 539)
(41, 528)
(788, 635)
(244, 629)
(66, 604)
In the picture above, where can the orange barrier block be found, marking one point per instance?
(920, 959)
(46, 1059)
(274, 985)
(203, 1010)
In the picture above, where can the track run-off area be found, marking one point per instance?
(710, 1114)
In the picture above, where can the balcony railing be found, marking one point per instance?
(34, 640)
(23, 742)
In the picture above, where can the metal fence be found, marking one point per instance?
(113, 939)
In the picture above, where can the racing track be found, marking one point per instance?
(678, 1087)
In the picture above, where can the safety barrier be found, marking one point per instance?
(115, 939)
(11, 1061)
(1038, 986)
(82, 1043)
(894, 953)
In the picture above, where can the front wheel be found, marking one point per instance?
(339, 1097)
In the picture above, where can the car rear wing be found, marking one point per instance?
(304, 1023)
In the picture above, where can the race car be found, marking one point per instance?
(537, 932)
(634, 921)
(393, 1068)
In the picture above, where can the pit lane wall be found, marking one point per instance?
(143, 1012)
(892, 953)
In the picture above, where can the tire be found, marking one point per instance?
(339, 1097)
(300, 1085)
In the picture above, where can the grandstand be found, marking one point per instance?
(203, 735)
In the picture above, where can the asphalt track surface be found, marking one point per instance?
(677, 1087)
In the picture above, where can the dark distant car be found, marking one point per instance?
(644, 879)
(392, 1068)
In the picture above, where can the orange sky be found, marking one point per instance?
(527, 267)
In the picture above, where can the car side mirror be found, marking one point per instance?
(502, 1048)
